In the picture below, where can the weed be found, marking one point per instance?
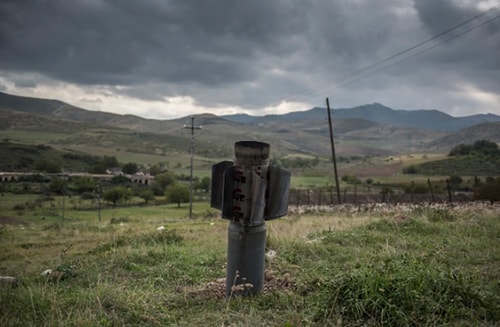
(119, 220)
(441, 215)
(349, 269)
(405, 292)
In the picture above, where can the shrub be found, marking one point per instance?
(119, 220)
(19, 206)
(410, 170)
(351, 179)
(416, 189)
(489, 191)
(88, 196)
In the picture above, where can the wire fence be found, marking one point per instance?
(320, 197)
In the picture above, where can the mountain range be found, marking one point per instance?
(378, 113)
(371, 129)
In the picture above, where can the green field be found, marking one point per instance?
(151, 265)
(398, 266)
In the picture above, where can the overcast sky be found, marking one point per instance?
(172, 58)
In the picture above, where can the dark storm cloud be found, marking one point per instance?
(127, 42)
(474, 55)
(439, 16)
(249, 53)
(92, 41)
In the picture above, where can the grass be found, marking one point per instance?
(31, 137)
(466, 165)
(415, 267)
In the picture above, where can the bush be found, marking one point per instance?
(88, 196)
(410, 170)
(385, 192)
(351, 179)
(489, 191)
(416, 189)
(19, 206)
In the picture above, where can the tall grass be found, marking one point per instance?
(431, 267)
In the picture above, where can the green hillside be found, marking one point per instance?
(30, 158)
(464, 166)
(482, 158)
(306, 135)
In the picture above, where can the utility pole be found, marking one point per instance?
(191, 150)
(98, 192)
(63, 191)
(333, 150)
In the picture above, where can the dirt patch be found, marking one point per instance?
(5, 220)
(217, 289)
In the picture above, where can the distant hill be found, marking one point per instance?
(59, 109)
(365, 130)
(484, 131)
(29, 158)
(424, 119)
(19, 120)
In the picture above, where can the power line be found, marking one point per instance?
(347, 82)
(367, 69)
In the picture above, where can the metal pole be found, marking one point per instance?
(98, 191)
(64, 197)
(191, 150)
(248, 191)
(333, 149)
(247, 229)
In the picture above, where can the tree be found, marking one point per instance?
(117, 194)
(178, 193)
(147, 195)
(98, 168)
(455, 181)
(203, 185)
(130, 168)
(48, 165)
(485, 147)
(479, 147)
(119, 179)
(155, 170)
(460, 150)
(110, 162)
(412, 169)
(165, 179)
(103, 164)
(83, 184)
(57, 185)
